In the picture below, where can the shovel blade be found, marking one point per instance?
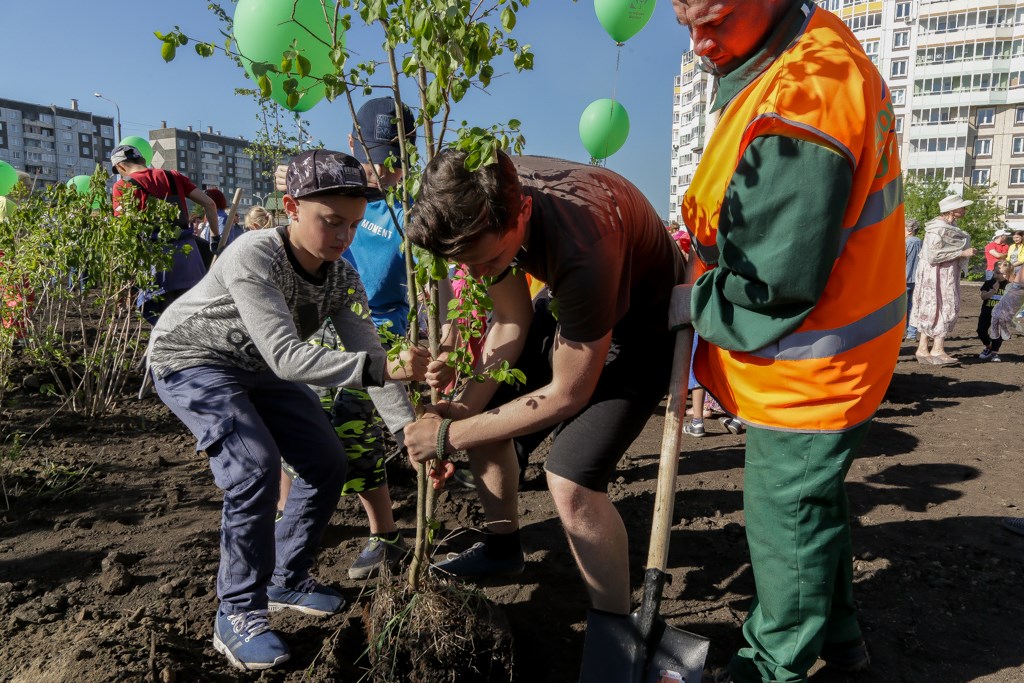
(614, 651)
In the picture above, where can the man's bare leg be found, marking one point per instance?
(598, 541)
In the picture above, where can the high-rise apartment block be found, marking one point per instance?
(956, 72)
(689, 112)
(53, 144)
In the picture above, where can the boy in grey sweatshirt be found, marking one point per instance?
(230, 359)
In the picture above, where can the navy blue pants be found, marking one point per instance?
(248, 422)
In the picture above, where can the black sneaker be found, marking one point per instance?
(378, 550)
(1014, 524)
(848, 657)
(475, 563)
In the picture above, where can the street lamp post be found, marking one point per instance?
(116, 108)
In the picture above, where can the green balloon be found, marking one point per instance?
(81, 184)
(264, 30)
(141, 144)
(604, 128)
(8, 178)
(623, 19)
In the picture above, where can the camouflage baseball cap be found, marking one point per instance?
(321, 171)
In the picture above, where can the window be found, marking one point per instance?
(1018, 146)
(983, 147)
(901, 40)
(65, 122)
(871, 50)
(903, 10)
(1017, 175)
(899, 96)
(1015, 207)
(899, 68)
(979, 176)
(66, 135)
(67, 149)
(986, 116)
(1019, 118)
(864, 21)
(46, 118)
(899, 125)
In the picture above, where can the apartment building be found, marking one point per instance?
(956, 71)
(691, 95)
(53, 144)
(211, 159)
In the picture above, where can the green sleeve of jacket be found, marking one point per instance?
(778, 238)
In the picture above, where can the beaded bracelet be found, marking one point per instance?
(442, 437)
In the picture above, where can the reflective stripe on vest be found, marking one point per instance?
(827, 343)
(817, 133)
(877, 208)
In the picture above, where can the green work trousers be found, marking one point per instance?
(798, 532)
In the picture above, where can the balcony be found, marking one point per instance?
(947, 129)
(956, 158)
(960, 98)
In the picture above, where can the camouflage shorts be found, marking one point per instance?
(362, 433)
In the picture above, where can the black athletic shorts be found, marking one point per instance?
(588, 446)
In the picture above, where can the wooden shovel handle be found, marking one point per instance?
(668, 465)
(225, 230)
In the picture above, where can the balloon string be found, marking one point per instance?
(615, 84)
(615, 77)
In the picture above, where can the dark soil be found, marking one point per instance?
(109, 532)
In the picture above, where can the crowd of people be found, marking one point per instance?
(270, 352)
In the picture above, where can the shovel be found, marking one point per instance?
(641, 647)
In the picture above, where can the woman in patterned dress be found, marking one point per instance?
(936, 306)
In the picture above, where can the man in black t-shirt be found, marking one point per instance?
(593, 376)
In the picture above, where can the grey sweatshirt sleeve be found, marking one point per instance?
(265, 314)
(393, 405)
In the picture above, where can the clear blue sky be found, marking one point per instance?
(54, 50)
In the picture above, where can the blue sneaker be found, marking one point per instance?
(474, 563)
(309, 597)
(247, 641)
